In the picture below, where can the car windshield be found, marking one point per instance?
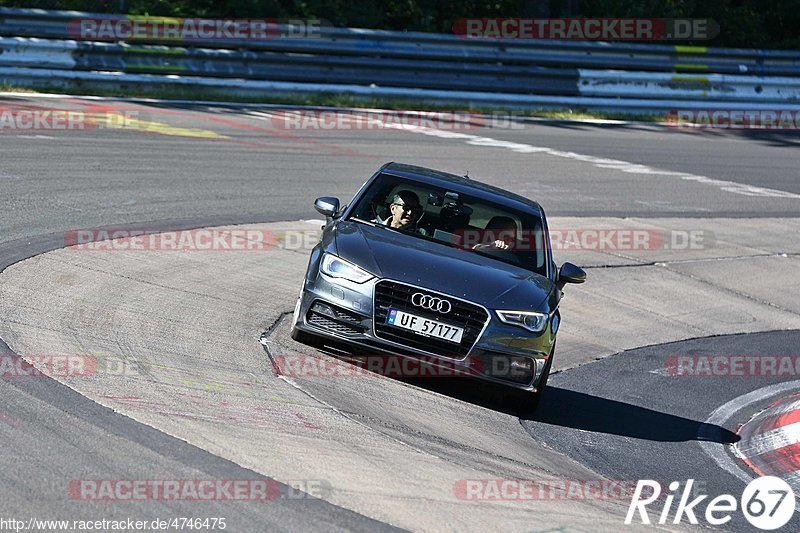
(454, 219)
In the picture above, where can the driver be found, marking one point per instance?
(501, 234)
(406, 210)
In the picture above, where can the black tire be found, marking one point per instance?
(525, 403)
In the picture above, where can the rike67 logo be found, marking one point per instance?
(768, 503)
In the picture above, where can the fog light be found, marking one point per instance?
(518, 369)
(522, 365)
(323, 309)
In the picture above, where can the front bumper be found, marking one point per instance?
(344, 312)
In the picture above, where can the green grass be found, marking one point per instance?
(338, 100)
(6, 88)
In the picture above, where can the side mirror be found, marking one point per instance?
(327, 206)
(569, 273)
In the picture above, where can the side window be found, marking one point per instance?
(373, 205)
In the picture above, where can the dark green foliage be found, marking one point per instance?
(743, 23)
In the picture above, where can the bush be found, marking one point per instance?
(743, 23)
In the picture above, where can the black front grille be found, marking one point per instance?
(335, 319)
(321, 321)
(469, 316)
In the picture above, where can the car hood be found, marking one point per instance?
(391, 254)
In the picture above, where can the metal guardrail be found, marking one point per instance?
(417, 45)
(311, 68)
(384, 61)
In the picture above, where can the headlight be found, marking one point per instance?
(336, 267)
(529, 320)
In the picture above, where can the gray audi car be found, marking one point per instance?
(439, 269)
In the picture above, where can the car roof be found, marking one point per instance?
(460, 184)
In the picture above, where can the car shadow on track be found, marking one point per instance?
(585, 412)
(578, 410)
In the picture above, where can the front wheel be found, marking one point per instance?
(525, 403)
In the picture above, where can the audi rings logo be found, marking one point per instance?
(430, 302)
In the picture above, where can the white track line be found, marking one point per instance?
(599, 162)
(623, 166)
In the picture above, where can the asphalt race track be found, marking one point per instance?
(628, 423)
(199, 335)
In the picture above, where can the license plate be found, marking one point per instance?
(424, 326)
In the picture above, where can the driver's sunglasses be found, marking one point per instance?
(410, 208)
